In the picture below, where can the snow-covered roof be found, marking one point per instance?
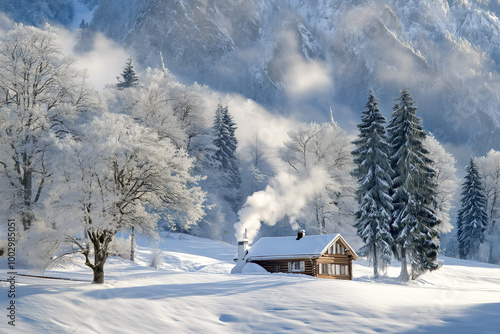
(288, 247)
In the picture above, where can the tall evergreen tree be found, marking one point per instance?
(414, 188)
(472, 217)
(373, 171)
(226, 142)
(129, 77)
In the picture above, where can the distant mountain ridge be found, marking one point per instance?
(446, 52)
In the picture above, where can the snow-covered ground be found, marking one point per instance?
(193, 292)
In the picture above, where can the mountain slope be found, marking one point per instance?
(447, 52)
(302, 57)
(38, 12)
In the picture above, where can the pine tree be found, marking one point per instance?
(373, 171)
(472, 217)
(129, 77)
(414, 188)
(226, 142)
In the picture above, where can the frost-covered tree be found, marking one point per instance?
(489, 169)
(219, 214)
(373, 170)
(129, 77)
(257, 168)
(120, 175)
(447, 182)
(226, 143)
(41, 96)
(190, 112)
(324, 147)
(415, 223)
(472, 217)
(173, 110)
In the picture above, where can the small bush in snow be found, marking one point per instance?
(156, 258)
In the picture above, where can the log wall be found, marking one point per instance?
(273, 265)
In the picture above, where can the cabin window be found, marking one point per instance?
(296, 266)
(277, 268)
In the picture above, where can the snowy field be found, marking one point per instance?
(193, 292)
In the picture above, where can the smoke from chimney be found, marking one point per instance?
(286, 196)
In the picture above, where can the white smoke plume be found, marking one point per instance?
(286, 195)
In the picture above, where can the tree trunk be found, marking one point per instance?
(132, 244)
(27, 186)
(403, 276)
(98, 274)
(100, 239)
(375, 261)
(100, 256)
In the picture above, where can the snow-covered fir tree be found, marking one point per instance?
(129, 77)
(225, 140)
(414, 189)
(373, 170)
(472, 218)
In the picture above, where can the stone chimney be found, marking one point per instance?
(301, 234)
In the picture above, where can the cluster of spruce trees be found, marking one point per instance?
(472, 217)
(396, 189)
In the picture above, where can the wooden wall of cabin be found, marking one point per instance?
(281, 266)
(343, 258)
(343, 261)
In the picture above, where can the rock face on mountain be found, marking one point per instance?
(305, 56)
(37, 12)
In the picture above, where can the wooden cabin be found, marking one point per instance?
(323, 256)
